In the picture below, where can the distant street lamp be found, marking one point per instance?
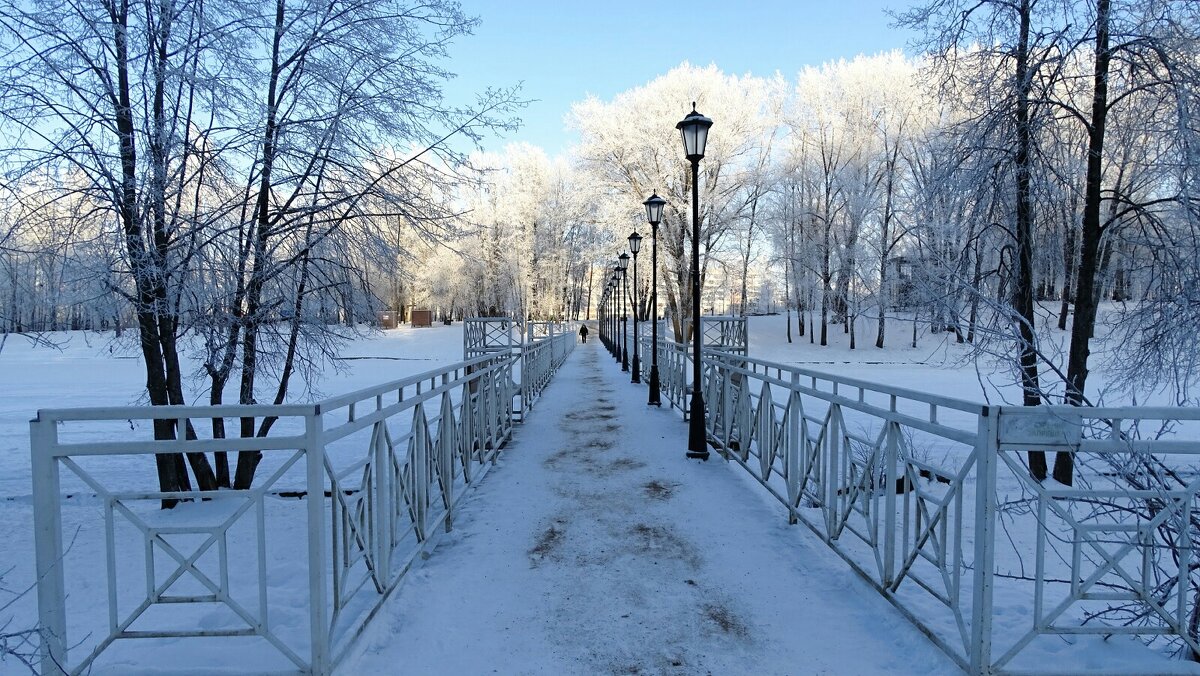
(635, 245)
(608, 315)
(623, 266)
(601, 317)
(654, 208)
(694, 130)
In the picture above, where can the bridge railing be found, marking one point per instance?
(674, 369)
(929, 498)
(387, 465)
(541, 360)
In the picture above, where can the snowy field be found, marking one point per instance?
(91, 370)
(938, 364)
(87, 369)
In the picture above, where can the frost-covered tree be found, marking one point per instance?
(248, 136)
(1042, 74)
(630, 148)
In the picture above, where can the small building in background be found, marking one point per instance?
(422, 318)
(389, 319)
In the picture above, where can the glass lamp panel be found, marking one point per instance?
(654, 209)
(701, 138)
(689, 140)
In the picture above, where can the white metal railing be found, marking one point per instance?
(541, 360)
(929, 499)
(674, 367)
(537, 330)
(388, 465)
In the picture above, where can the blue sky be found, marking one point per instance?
(564, 50)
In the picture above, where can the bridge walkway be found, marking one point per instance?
(596, 547)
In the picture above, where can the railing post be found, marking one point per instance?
(382, 473)
(986, 449)
(795, 412)
(743, 412)
(833, 446)
(724, 407)
(420, 471)
(47, 524)
(685, 397)
(466, 433)
(891, 446)
(447, 443)
(509, 412)
(527, 371)
(314, 455)
(767, 435)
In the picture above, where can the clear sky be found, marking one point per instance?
(563, 50)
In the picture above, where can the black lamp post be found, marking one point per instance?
(616, 286)
(654, 208)
(608, 314)
(694, 130)
(601, 317)
(635, 245)
(623, 266)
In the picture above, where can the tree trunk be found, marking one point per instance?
(976, 280)
(1090, 236)
(248, 460)
(787, 293)
(884, 249)
(825, 279)
(172, 473)
(1068, 274)
(1023, 282)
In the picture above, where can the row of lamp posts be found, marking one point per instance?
(614, 322)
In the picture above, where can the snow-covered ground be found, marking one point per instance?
(596, 548)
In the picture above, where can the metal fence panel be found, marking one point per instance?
(380, 470)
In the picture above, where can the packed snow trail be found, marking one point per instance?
(596, 547)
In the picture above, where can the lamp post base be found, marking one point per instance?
(637, 370)
(697, 436)
(655, 390)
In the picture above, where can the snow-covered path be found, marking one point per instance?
(596, 547)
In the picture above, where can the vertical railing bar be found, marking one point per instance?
(1039, 568)
(47, 508)
(110, 559)
(890, 481)
(261, 524)
(319, 629)
(832, 458)
(148, 553)
(1185, 555)
(986, 448)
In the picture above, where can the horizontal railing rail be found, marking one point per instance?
(381, 471)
